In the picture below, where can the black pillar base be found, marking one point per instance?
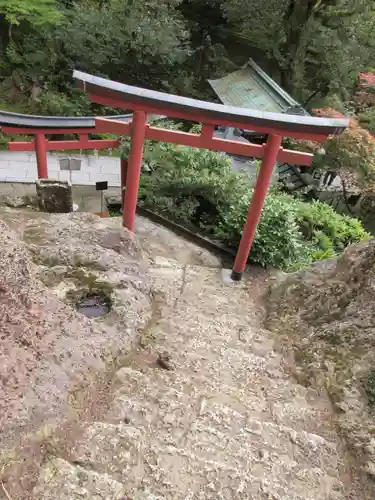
(236, 276)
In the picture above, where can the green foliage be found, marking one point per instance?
(278, 241)
(331, 101)
(139, 44)
(353, 150)
(59, 104)
(36, 12)
(198, 189)
(367, 119)
(329, 231)
(196, 129)
(320, 46)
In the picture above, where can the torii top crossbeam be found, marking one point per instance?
(117, 94)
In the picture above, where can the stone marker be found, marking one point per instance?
(54, 196)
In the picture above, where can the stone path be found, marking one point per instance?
(202, 408)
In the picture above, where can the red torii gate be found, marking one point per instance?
(144, 101)
(40, 126)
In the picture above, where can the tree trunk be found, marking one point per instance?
(296, 21)
(36, 91)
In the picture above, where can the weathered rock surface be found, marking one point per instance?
(16, 201)
(226, 422)
(47, 349)
(59, 479)
(327, 315)
(199, 408)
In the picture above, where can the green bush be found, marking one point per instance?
(328, 230)
(367, 119)
(198, 189)
(278, 241)
(58, 104)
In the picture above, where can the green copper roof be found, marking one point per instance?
(252, 88)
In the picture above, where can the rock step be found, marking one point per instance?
(226, 423)
(200, 460)
(275, 400)
(60, 480)
(162, 399)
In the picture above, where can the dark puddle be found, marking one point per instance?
(93, 305)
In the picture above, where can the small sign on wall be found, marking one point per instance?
(70, 165)
(101, 186)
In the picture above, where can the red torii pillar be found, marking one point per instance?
(133, 167)
(41, 155)
(257, 201)
(138, 133)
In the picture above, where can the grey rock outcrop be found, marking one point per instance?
(47, 349)
(326, 314)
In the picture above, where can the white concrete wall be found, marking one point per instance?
(21, 167)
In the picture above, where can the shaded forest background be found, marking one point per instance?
(314, 48)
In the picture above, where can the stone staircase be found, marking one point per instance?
(202, 408)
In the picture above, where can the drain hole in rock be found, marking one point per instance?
(94, 305)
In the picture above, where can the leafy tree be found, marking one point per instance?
(351, 154)
(139, 42)
(367, 120)
(36, 13)
(319, 45)
(23, 48)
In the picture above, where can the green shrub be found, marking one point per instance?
(58, 104)
(367, 119)
(198, 184)
(278, 241)
(198, 189)
(327, 229)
